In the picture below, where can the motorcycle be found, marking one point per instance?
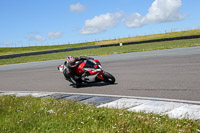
(91, 69)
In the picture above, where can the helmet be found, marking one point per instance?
(71, 60)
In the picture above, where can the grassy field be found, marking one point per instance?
(150, 37)
(106, 51)
(6, 51)
(28, 114)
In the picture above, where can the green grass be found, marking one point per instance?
(106, 51)
(6, 51)
(150, 37)
(35, 115)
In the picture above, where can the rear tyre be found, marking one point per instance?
(108, 78)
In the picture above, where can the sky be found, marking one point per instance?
(56, 22)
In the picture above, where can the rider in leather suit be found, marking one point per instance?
(71, 64)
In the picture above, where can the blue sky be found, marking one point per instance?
(52, 22)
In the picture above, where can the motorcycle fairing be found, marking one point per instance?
(90, 78)
(80, 69)
(93, 77)
(88, 65)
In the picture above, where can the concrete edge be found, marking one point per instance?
(172, 107)
(106, 95)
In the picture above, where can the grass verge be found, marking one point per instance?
(29, 114)
(106, 51)
(17, 50)
(6, 51)
(150, 37)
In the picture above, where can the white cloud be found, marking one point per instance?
(134, 20)
(160, 11)
(33, 33)
(77, 8)
(36, 38)
(6, 43)
(195, 28)
(101, 23)
(52, 35)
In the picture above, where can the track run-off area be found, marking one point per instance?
(168, 74)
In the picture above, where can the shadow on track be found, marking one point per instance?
(99, 84)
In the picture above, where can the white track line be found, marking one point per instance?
(106, 95)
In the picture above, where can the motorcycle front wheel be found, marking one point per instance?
(108, 78)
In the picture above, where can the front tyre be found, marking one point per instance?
(108, 78)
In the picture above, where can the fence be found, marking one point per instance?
(96, 46)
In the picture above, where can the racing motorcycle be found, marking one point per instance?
(91, 69)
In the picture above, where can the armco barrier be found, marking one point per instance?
(96, 46)
(47, 52)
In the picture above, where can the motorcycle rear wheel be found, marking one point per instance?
(108, 78)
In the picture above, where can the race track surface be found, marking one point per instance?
(173, 74)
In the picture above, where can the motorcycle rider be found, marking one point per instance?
(71, 64)
(69, 71)
(84, 70)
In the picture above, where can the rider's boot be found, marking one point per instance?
(75, 82)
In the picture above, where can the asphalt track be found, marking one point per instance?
(172, 74)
